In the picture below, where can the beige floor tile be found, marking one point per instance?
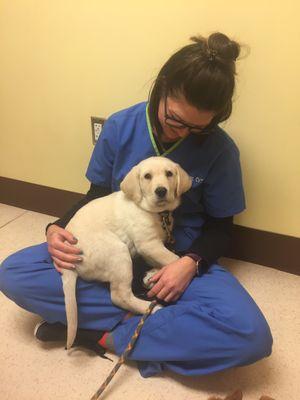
(28, 229)
(33, 371)
(9, 213)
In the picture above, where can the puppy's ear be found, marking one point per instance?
(131, 185)
(184, 181)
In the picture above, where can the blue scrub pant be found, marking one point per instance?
(215, 324)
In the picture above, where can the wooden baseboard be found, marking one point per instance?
(42, 199)
(252, 245)
(266, 248)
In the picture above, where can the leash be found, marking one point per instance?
(126, 351)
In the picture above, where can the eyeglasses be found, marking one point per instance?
(175, 123)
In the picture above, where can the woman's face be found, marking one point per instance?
(178, 108)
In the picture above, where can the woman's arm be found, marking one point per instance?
(172, 280)
(214, 241)
(94, 192)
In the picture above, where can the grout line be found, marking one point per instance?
(12, 220)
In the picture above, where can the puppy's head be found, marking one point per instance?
(156, 184)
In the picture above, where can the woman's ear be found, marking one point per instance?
(184, 181)
(131, 185)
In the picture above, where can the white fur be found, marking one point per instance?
(112, 229)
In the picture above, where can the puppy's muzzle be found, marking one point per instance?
(161, 192)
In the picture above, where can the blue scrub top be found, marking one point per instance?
(217, 190)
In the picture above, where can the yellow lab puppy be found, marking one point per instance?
(111, 230)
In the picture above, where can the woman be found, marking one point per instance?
(210, 322)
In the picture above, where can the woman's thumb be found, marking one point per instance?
(69, 237)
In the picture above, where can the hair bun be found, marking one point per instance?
(218, 47)
(223, 47)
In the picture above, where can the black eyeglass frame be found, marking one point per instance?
(182, 125)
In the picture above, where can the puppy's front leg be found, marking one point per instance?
(156, 254)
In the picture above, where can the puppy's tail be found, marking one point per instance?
(69, 279)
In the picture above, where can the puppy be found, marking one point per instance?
(111, 230)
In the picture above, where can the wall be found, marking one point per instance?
(63, 61)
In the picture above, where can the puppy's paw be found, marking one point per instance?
(147, 277)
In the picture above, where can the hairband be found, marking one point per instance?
(211, 54)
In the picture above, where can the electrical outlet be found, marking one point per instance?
(97, 125)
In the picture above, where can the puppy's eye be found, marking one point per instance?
(169, 173)
(147, 176)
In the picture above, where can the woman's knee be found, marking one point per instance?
(8, 282)
(265, 342)
(15, 275)
(16, 271)
(255, 341)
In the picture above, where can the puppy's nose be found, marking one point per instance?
(161, 192)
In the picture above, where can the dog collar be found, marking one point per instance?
(165, 217)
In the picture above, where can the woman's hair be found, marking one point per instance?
(203, 72)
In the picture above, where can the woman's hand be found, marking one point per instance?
(173, 279)
(62, 249)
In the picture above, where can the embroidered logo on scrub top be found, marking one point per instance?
(196, 181)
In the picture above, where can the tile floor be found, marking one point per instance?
(33, 371)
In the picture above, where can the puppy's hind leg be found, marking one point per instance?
(122, 296)
(120, 283)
